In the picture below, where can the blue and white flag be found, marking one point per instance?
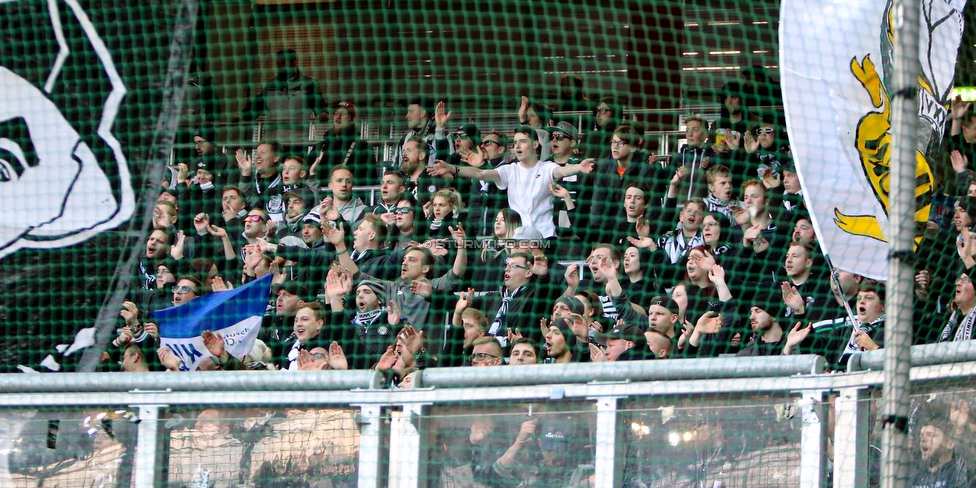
(234, 314)
(836, 62)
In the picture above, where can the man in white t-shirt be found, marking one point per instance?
(528, 182)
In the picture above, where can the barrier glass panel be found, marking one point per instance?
(710, 441)
(262, 447)
(510, 444)
(67, 448)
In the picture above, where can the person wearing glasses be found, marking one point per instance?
(255, 227)
(519, 303)
(486, 351)
(611, 178)
(768, 151)
(608, 114)
(484, 199)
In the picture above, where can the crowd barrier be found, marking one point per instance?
(656, 421)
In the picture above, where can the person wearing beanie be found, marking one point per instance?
(374, 331)
(560, 342)
(768, 336)
(341, 144)
(566, 305)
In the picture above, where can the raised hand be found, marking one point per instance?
(337, 358)
(540, 266)
(130, 312)
(642, 226)
(388, 360)
(170, 361)
(441, 115)
(244, 162)
(733, 140)
(959, 161)
(709, 323)
(440, 168)
(184, 172)
(796, 336)
(514, 334)
(597, 354)
(335, 234)
(201, 222)
(572, 275)
(388, 218)
(458, 235)
(792, 298)
(587, 166)
(751, 143)
(771, 180)
(679, 174)
(438, 248)
(527, 430)
(475, 158)
(642, 243)
(464, 301)
(393, 315)
(716, 274)
(421, 287)
(523, 109)
(959, 108)
(214, 342)
(218, 284)
(412, 339)
(218, 232)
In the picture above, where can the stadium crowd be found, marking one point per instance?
(544, 245)
(549, 244)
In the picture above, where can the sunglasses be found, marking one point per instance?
(601, 111)
(489, 143)
(462, 136)
(254, 218)
(561, 137)
(181, 289)
(768, 131)
(401, 210)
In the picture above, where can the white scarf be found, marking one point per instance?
(964, 332)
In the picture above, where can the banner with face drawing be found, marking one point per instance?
(62, 182)
(85, 92)
(836, 62)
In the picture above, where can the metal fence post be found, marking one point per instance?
(408, 432)
(851, 438)
(370, 445)
(147, 476)
(813, 442)
(606, 468)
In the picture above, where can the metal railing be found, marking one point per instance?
(395, 418)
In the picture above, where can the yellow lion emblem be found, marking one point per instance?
(873, 140)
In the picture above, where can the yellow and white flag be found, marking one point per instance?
(836, 60)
